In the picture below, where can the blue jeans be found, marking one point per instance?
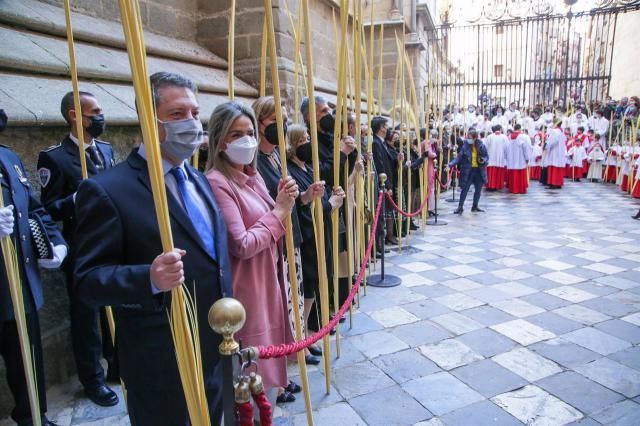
(475, 178)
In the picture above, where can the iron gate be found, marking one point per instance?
(542, 60)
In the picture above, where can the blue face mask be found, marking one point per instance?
(470, 141)
(182, 138)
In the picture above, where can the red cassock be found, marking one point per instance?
(555, 175)
(496, 177)
(517, 181)
(636, 190)
(610, 174)
(585, 167)
(624, 186)
(535, 172)
(576, 172)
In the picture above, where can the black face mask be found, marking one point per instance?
(396, 144)
(303, 152)
(97, 125)
(327, 123)
(3, 120)
(271, 133)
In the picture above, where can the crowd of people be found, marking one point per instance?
(228, 217)
(548, 144)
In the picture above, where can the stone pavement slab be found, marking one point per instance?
(533, 406)
(441, 393)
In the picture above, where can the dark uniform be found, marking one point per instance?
(60, 174)
(17, 191)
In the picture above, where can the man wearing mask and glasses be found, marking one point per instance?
(121, 263)
(60, 174)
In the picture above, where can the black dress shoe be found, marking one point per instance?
(637, 216)
(477, 209)
(285, 396)
(102, 395)
(458, 211)
(315, 350)
(312, 360)
(293, 387)
(413, 227)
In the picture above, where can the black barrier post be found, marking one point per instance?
(382, 280)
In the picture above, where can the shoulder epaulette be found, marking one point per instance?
(52, 147)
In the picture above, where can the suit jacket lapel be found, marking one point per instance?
(176, 211)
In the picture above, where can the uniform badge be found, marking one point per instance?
(21, 175)
(45, 175)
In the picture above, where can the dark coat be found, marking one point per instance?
(60, 174)
(16, 190)
(118, 238)
(463, 161)
(386, 160)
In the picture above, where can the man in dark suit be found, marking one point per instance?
(19, 206)
(120, 261)
(472, 161)
(60, 174)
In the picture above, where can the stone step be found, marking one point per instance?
(43, 54)
(48, 19)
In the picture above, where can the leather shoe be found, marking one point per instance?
(315, 350)
(311, 359)
(477, 209)
(102, 395)
(637, 216)
(413, 226)
(458, 211)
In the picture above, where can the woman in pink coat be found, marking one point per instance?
(256, 226)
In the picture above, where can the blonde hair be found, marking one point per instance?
(220, 122)
(294, 133)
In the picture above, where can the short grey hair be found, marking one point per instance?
(164, 79)
(304, 106)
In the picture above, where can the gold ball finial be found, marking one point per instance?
(226, 317)
(383, 178)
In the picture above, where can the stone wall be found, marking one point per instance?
(174, 18)
(625, 79)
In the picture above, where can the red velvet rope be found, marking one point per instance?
(416, 213)
(245, 409)
(285, 349)
(264, 408)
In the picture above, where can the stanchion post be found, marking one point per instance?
(434, 221)
(226, 317)
(382, 280)
(453, 180)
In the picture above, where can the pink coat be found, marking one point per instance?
(255, 243)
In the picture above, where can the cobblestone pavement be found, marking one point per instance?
(528, 313)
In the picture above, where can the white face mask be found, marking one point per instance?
(242, 150)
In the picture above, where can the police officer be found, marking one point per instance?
(20, 205)
(60, 174)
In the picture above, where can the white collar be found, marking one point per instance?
(77, 142)
(166, 165)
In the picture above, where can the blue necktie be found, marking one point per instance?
(197, 219)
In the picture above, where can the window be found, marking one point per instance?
(497, 71)
(499, 29)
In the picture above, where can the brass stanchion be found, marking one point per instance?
(226, 317)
